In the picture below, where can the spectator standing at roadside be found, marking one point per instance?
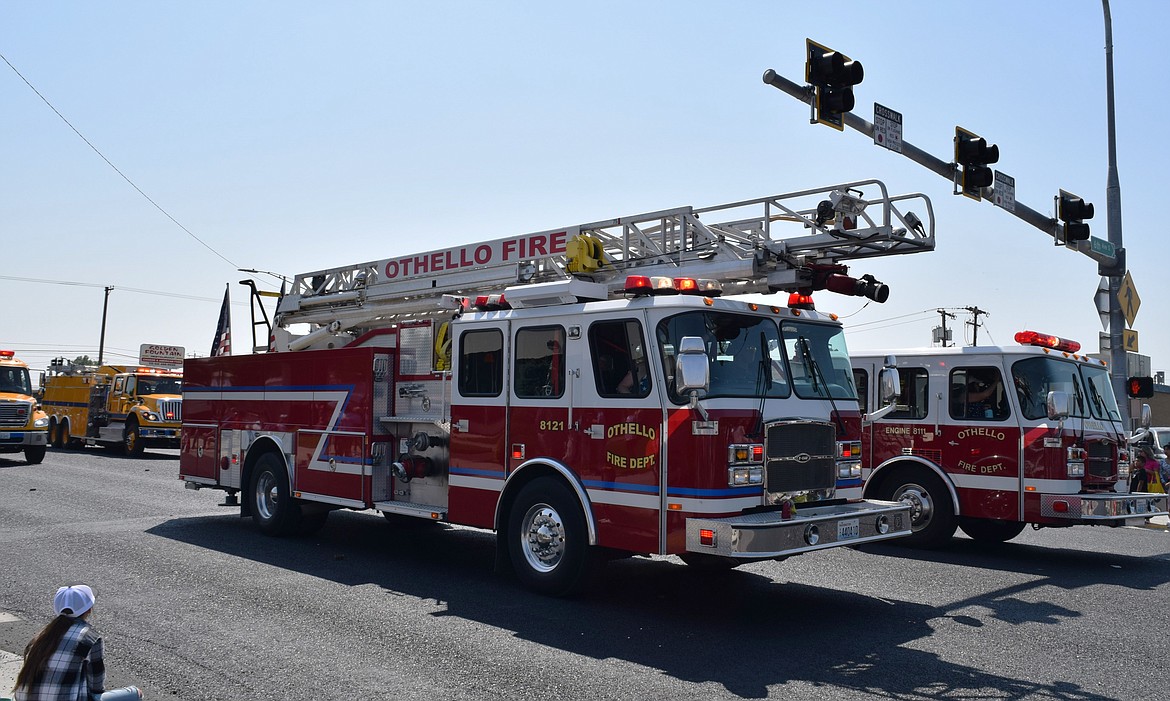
(64, 661)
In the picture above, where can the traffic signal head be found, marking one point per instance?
(833, 76)
(1071, 210)
(1140, 387)
(974, 154)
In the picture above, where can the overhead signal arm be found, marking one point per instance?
(1106, 255)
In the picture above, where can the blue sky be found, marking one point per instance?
(294, 136)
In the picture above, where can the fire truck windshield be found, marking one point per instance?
(1090, 393)
(159, 385)
(15, 380)
(818, 359)
(743, 352)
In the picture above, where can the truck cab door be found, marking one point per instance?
(480, 358)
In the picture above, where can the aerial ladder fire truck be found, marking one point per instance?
(586, 392)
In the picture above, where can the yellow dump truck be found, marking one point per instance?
(23, 426)
(128, 406)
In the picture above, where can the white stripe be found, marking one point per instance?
(637, 501)
(467, 482)
(1001, 484)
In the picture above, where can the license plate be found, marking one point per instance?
(848, 529)
(4, 435)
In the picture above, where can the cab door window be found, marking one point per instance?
(913, 395)
(481, 363)
(539, 366)
(977, 393)
(618, 352)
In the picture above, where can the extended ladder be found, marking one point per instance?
(768, 244)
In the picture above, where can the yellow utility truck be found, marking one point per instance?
(127, 406)
(23, 426)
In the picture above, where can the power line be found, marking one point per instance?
(71, 283)
(110, 164)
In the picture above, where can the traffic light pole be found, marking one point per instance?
(1045, 223)
(1117, 358)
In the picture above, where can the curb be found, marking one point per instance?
(9, 668)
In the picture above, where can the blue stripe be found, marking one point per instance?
(65, 403)
(715, 493)
(494, 474)
(622, 487)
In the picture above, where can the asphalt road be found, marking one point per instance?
(194, 603)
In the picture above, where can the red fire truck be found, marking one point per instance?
(610, 401)
(991, 439)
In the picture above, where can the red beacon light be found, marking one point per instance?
(7, 354)
(1044, 340)
(796, 300)
(641, 285)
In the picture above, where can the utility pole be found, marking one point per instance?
(1118, 369)
(102, 343)
(945, 335)
(975, 312)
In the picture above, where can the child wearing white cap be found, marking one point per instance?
(64, 661)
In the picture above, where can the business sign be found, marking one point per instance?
(158, 356)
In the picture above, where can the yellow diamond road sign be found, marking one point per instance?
(1128, 297)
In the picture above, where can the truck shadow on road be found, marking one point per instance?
(741, 631)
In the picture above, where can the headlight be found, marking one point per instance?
(850, 469)
(150, 416)
(41, 423)
(745, 476)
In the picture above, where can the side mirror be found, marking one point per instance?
(692, 372)
(1057, 405)
(889, 382)
(1147, 416)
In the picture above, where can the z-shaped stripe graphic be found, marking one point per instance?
(339, 398)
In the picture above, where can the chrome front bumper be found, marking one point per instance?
(1103, 509)
(768, 534)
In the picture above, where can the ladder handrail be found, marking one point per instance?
(746, 250)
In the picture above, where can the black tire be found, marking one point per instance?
(932, 514)
(54, 434)
(987, 530)
(132, 439)
(547, 541)
(33, 454)
(709, 563)
(64, 437)
(274, 510)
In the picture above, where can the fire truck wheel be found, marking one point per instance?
(54, 434)
(131, 439)
(33, 454)
(987, 530)
(273, 508)
(547, 539)
(932, 515)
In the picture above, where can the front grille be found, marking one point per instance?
(14, 413)
(1102, 461)
(799, 456)
(170, 409)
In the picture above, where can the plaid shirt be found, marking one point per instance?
(75, 671)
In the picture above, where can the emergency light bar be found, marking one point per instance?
(642, 285)
(1044, 340)
(7, 354)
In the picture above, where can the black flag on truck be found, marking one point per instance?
(222, 345)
